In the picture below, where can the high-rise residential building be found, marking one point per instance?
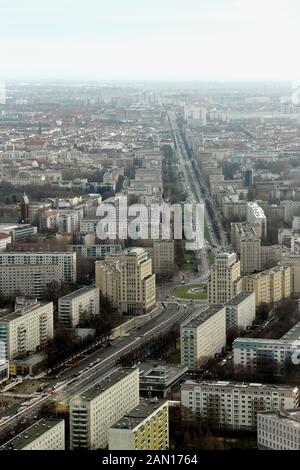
(225, 279)
(28, 279)
(78, 305)
(279, 430)
(95, 410)
(269, 286)
(66, 261)
(26, 329)
(235, 405)
(46, 434)
(256, 215)
(240, 310)
(202, 336)
(146, 427)
(126, 279)
(250, 255)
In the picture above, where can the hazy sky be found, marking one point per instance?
(197, 39)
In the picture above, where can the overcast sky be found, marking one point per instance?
(184, 39)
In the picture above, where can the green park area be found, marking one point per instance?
(191, 292)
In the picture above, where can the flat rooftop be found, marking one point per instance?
(22, 310)
(78, 292)
(293, 334)
(290, 417)
(158, 372)
(136, 416)
(201, 317)
(222, 383)
(104, 384)
(30, 434)
(238, 298)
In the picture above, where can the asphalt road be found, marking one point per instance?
(68, 386)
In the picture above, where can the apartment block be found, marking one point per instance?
(256, 215)
(79, 305)
(146, 427)
(28, 279)
(202, 336)
(250, 255)
(126, 279)
(46, 434)
(269, 286)
(254, 352)
(93, 251)
(26, 329)
(66, 261)
(94, 411)
(279, 430)
(240, 310)
(235, 405)
(225, 279)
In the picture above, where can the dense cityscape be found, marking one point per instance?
(149, 232)
(135, 342)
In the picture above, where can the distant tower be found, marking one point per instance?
(25, 210)
(40, 128)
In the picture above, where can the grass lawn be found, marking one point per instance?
(182, 292)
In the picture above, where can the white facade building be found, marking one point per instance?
(240, 310)
(202, 336)
(256, 215)
(26, 329)
(96, 409)
(279, 430)
(46, 434)
(78, 305)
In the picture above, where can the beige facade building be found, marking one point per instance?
(26, 329)
(202, 336)
(28, 280)
(94, 411)
(269, 286)
(126, 279)
(225, 279)
(162, 254)
(146, 427)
